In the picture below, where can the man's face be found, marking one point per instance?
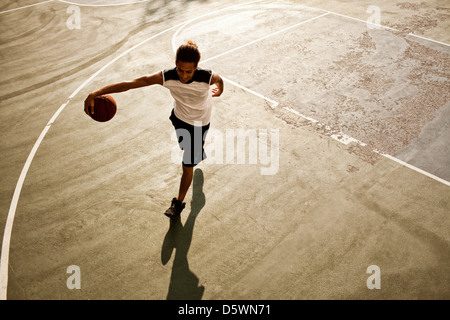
(185, 70)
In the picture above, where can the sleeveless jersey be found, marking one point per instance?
(192, 100)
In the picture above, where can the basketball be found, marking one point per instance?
(105, 108)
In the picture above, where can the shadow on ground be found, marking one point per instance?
(183, 282)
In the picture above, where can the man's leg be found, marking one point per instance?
(186, 180)
(177, 203)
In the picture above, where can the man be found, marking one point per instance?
(190, 88)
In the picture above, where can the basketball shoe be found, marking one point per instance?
(175, 209)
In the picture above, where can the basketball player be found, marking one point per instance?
(190, 88)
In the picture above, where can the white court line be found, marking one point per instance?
(102, 5)
(31, 5)
(376, 25)
(388, 28)
(340, 136)
(447, 183)
(4, 261)
(272, 103)
(428, 39)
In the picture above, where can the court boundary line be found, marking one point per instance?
(428, 39)
(410, 166)
(4, 259)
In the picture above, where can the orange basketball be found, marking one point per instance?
(105, 108)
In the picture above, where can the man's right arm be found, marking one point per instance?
(156, 78)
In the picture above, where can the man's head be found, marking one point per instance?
(187, 59)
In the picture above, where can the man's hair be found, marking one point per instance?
(188, 53)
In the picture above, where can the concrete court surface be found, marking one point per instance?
(94, 193)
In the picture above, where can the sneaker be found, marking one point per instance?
(175, 209)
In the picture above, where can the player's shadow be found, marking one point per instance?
(183, 282)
